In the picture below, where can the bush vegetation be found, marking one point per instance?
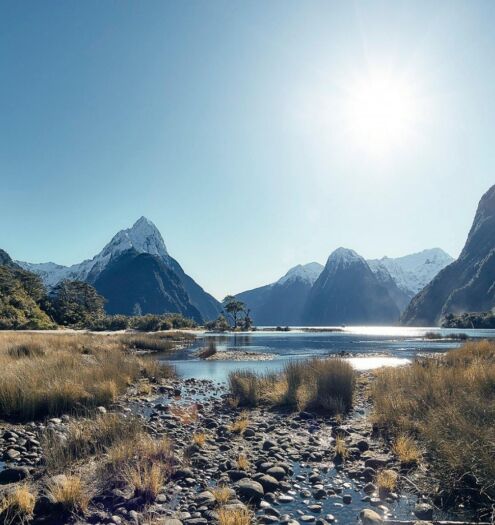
(448, 404)
(317, 384)
(52, 374)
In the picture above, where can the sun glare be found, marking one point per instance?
(382, 111)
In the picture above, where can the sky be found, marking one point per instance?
(255, 135)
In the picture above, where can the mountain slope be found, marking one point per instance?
(142, 282)
(348, 292)
(143, 237)
(282, 302)
(400, 296)
(468, 284)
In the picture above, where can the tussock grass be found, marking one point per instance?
(199, 438)
(406, 450)
(70, 492)
(239, 425)
(222, 494)
(320, 384)
(147, 479)
(52, 374)
(89, 436)
(448, 404)
(243, 462)
(340, 447)
(234, 516)
(208, 351)
(17, 506)
(143, 462)
(386, 480)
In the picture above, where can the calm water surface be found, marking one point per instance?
(394, 345)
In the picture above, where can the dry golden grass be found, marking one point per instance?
(406, 450)
(234, 516)
(17, 507)
(199, 438)
(89, 436)
(70, 492)
(239, 425)
(143, 462)
(386, 480)
(321, 384)
(222, 494)
(146, 479)
(340, 447)
(243, 462)
(448, 405)
(51, 374)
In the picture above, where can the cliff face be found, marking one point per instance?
(466, 285)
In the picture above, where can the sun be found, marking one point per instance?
(382, 111)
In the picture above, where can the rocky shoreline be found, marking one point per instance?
(289, 473)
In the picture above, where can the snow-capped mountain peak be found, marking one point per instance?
(413, 272)
(343, 257)
(307, 273)
(143, 236)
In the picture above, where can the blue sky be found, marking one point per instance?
(232, 126)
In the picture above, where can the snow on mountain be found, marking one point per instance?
(413, 272)
(343, 257)
(307, 273)
(143, 236)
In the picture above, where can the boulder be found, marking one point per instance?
(370, 517)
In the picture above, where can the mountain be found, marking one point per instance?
(5, 260)
(144, 238)
(400, 296)
(281, 303)
(413, 272)
(141, 282)
(467, 284)
(348, 292)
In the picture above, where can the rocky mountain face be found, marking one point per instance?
(348, 292)
(135, 283)
(142, 238)
(466, 285)
(282, 302)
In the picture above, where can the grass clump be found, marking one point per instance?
(239, 425)
(448, 405)
(147, 479)
(319, 384)
(17, 506)
(340, 447)
(243, 462)
(199, 438)
(386, 480)
(209, 351)
(406, 450)
(234, 515)
(70, 492)
(89, 436)
(222, 494)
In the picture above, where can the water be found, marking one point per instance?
(367, 347)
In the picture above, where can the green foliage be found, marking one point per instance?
(233, 307)
(20, 295)
(219, 325)
(153, 323)
(75, 303)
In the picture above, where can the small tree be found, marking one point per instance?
(233, 307)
